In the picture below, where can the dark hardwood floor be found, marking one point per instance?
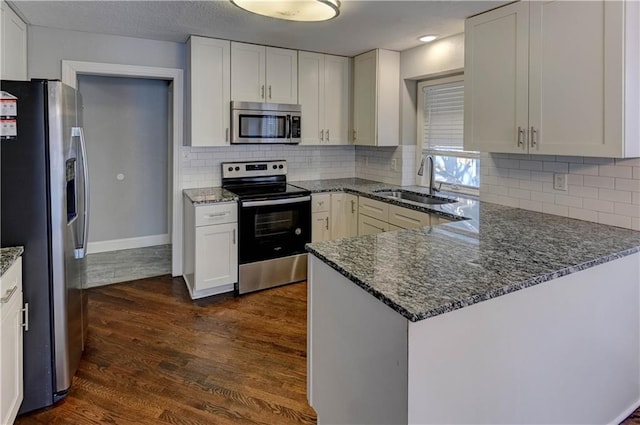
(154, 356)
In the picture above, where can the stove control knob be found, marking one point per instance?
(230, 168)
(275, 166)
(298, 231)
(281, 166)
(237, 168)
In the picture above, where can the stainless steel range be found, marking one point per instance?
(274, 223)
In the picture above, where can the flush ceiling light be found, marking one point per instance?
(427, 38)
(292, 10)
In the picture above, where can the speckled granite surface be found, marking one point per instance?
(461, 209)
(209, 195)
(8, 256)
(428, 271)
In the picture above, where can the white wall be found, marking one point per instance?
(126, 126)
(47, 47)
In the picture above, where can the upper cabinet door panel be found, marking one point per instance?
(336, 100)
(496, 74)
(576, 78)
(13, 45)
(364, 98)
(282, 76)
(248, 72)
(311, 91)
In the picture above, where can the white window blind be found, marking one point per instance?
(443, 120)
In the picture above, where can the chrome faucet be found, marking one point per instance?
(432, 188)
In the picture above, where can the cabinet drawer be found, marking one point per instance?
(373, 208)
(11, 278)
(435, 220)
(371, 226)
(216, 214)
(407, 218)
(321, 203)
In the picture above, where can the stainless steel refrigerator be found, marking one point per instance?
(44, 205)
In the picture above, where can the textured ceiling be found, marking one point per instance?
(361, 25)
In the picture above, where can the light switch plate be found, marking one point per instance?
(560, 182)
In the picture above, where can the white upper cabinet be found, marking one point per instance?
(208, 91)
(554, 77)
(376, 98)
(13, 43)
(324, 96)
(263, 74)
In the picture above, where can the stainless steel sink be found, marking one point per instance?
(414, 197)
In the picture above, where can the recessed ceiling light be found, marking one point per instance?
(292, 10)
(427, 38)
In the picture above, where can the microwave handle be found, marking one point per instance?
(288, 127)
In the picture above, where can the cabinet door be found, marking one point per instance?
(216, 255)
(320, 227)
(338, 217)
(364, 98)
(576, 60)
(13, 45)
(371, 226)
(248, 72)
(336, 100)
(351, 212)
(282, 76)
(311, 91)
(11, 351)
(496, 79)
(209, 91)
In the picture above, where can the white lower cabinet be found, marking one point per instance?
(344, 215)
(320, 222)
(371, 226)
(210, 248)
(11, 344)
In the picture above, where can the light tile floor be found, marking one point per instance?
(128, 264)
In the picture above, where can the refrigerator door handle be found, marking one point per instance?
(82, 251)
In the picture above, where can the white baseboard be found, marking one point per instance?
(624, 415)
(129, 243)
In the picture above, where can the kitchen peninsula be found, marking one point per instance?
(512, 316)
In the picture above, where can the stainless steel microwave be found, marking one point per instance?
(253, 122)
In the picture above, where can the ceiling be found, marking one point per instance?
(361, 25)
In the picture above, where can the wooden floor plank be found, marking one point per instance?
(155, 356)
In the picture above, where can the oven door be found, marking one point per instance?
(253, 126)
(274, 228)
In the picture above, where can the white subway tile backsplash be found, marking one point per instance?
(614, 220)
(598, 205)
(615, 171)
(603, 190)
(556, 167)
(596, 181)
(614, 195)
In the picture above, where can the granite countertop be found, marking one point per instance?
(8, 256)
(459, 210)
(428, 271)
(209, 195)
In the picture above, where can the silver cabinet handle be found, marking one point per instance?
(521, 136)
(354, 134)
(321, 135)
(214, 215)
(269, 91)
(353, 206)
(234, 237)
(226, 134)
(25, 312)
(327, 134)
(262, 92)
(10, 293)
(534, 137)
(327, 223)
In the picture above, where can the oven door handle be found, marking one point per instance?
(276, 202)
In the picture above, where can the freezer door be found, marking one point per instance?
(67, 210)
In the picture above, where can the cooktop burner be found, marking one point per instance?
(259, 180)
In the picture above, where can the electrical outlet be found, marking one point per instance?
(560, 182)
(394, 164)
(186, 155)
(309, 160)
(366, 161)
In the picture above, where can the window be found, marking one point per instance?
(440, 134)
